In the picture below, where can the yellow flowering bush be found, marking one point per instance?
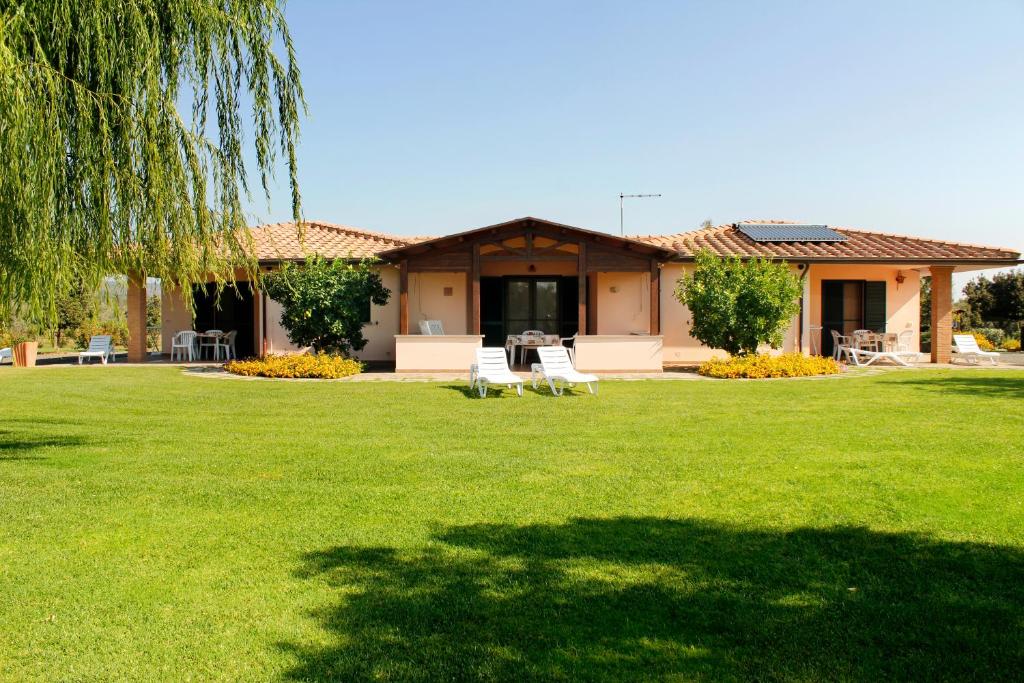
(312, 366)
(983, 343)
(1011, 345)
(760, 366)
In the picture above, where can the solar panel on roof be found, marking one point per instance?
(789, 232)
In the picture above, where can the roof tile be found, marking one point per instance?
(727, 240)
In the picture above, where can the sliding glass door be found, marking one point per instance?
(532, 304)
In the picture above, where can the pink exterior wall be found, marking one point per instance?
(174, 316)
(623, 303)
(618, 353)
(425, 353)
(380, 332)
(428, 302)
(902, 306)
(902, 301)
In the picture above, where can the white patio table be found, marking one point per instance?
(525, 342)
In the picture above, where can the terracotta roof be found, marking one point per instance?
(280, 241)
(726, 240)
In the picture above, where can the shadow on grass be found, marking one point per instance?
(19, 445)
(979, 387)
(629, 598)
(502, 391)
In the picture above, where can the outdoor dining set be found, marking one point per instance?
(194, 345)
(864, 347)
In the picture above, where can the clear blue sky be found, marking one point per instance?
(428, 118)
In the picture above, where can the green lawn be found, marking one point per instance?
(155, 525)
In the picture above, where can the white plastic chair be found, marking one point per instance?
(6, 353)
(555, 365)
(840, 346)
(209, 342)
(491, 367)
(530, 339)
(966, 346)
(100, 346)
(904, 340)
(183, 344)
(226, 345)
(431, 328)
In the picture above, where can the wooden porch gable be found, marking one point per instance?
(528, 240)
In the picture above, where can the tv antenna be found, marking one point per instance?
(622, 229)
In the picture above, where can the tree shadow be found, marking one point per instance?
(631, 598)
(18, 445)
(976, 386)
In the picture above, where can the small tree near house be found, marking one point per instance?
(738, 305)
(326, 303)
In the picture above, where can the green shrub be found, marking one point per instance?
(308, 366)
(760, 366)
(994, 335)
(738, 305)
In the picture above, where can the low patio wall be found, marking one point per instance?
(441, 353)
(618, 353)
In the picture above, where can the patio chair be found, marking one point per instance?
(571, 347)
(209, 341)
(529, 339)
(491, 367)
(226, 345)
(100, 346)
(431, 328)
(966, 346)
(183, 344)
(903, 341)
(6, 353)
(555, 366)
(840, 346)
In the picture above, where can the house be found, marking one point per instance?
(616, 293)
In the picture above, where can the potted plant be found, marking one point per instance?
(25, 351)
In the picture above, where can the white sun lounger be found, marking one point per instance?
(555, 366)
(100, 346)
(6, 353)
(491, 367)
(869, 357)
(966, 347)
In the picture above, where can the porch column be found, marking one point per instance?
(806, 341)
(136, 318)
(403, 297)
(655, 298)
(581, 266)
(473, 292)
(942, 313)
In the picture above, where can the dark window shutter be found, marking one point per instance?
(874, 306)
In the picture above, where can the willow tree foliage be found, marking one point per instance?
(125, 126)
(738, 305)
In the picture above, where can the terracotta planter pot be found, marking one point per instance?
(25, 354)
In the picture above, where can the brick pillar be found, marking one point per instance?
(136, 318)
(942, 313)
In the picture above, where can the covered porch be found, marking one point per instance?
(487, 285)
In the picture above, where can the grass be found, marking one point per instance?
(160, 526)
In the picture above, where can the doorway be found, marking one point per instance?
(514, 304)
(234, 311)
(848, 305)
